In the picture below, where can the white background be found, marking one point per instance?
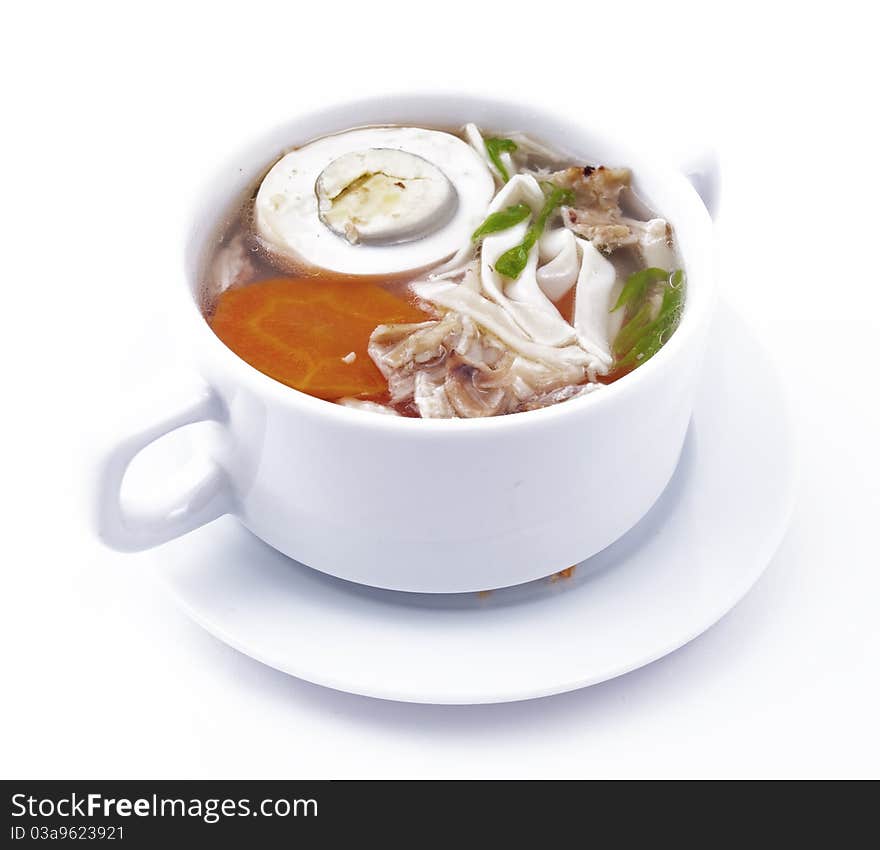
(113, 115)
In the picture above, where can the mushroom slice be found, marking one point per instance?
(470, 397)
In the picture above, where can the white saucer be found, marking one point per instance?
(688, 562)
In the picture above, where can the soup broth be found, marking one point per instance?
(442, 274)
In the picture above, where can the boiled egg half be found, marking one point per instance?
(379, 200)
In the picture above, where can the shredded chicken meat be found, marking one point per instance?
(596, 214)
(450, 367)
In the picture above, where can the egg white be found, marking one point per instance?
(287, 216)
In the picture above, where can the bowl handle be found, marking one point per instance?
(704, 172)
(129, 530)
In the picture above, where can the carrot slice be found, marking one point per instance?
(302, 331)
